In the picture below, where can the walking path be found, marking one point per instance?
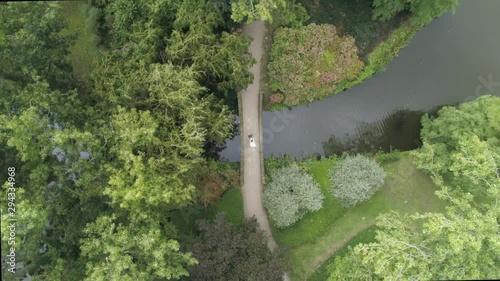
(252, 178)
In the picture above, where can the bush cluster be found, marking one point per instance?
(356, 179)
(291, 194)
(307, 63)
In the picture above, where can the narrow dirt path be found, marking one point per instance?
(250, 156)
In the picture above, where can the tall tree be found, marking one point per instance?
(228, 253)
(422, 11)
(455, 127)
(115, 252)
(35, 43)
(290, 12)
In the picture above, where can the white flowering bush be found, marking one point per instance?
(290, 194)
(356, 179)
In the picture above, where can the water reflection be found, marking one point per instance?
(400, 130)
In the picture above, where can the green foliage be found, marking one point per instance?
(229, 253)
(423, 12)
(392, 156)
(455, 135)
(289, 12)
(307, 63)
(221, 58)
(213, 179)
(115, 253)
(389, 49)
(230, 203)
(290, 194)
(36, 45)
(356, 179)
(102, 168)
(354, 18)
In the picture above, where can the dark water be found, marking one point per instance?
(452, 60)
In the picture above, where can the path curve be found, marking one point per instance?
(250, 156)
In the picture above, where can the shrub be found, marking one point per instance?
(356, 179)
(307, 63)
(290, 194)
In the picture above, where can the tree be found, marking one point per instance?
(266, 10)
(356, 179)
(115, 252)
(459, 132)
(201, 39)
(422, 11)
(37, 44)
(228, 253)
(308, 63)
(290, 194)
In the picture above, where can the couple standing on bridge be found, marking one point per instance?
(252, 141)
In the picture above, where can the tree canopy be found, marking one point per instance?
(99, 168)
(422, 11)
(455, 135)
(290, 12)
(228, 253)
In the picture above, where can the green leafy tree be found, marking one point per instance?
(266, 10)
(356, 179)
(35, 43)
(290, 194)
(308, 63)
(228, 253)
(422, 11)
(221, 58)
(115, 252)
(472, 125)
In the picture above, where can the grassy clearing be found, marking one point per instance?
(319, 235)
(231, 203)
(83, 52)
(365, 236)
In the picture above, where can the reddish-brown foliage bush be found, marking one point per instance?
(307, 63)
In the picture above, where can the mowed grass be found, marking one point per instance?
(231, 204)
(365, 236)
(85, 49)
(319, 235)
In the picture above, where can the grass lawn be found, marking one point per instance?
(231, 203)
(83, 52)
(319, 235)
(365, 236)
(353, 17)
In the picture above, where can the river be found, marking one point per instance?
(452, 60)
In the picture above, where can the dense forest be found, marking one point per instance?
(100, 167)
